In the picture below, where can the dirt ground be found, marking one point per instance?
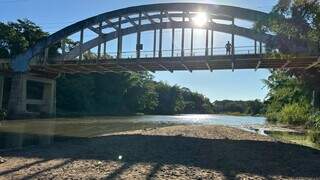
(177, 152)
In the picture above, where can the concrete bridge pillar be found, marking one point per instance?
(19, 102)
(49, 97)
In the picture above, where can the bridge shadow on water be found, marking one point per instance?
(230, 157)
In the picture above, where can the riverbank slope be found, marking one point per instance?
(177, 152)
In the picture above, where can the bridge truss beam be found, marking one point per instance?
(159, 16)
(115, 25)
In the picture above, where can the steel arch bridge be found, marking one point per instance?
(156, 18)
(38, 64)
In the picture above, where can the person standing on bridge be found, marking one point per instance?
(228, 48)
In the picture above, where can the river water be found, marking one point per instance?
(17, 134)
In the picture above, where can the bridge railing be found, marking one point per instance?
(187, 52)
(216, 51)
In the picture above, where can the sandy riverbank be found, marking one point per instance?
(177, 152)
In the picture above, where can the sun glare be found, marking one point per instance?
(200, 19)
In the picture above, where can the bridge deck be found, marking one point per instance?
(178, 64)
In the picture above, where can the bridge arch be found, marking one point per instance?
(144, 18)
(135, 20)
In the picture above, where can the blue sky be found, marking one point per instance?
(53, 15)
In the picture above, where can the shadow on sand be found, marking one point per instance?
(230, 157)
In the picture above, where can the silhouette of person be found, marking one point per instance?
(228, 48)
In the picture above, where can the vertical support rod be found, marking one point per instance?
(172, 43)
(160, 36)
(207, 42)
(138, 46)
(105, 50)
(260, 44)
(154, 43)
(212, 38)
(99, 46)
(255, 46)
(81, 44)
(182, 36)
(232, 48)
(192, 32)
(119, 48)
(232, 39)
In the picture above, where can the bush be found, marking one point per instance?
(272, 116)
(295, 114)
(315, 121)
(315, 137)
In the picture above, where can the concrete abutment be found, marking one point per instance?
(19, 101)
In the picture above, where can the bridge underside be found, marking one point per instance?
(176, 64)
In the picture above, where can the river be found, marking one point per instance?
(22, 133)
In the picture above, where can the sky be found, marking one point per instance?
(53, 15)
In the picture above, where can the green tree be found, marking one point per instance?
(239, 107)
(195, 102)
(294, 20)
(290, 92)
(75, 94)
(170, 99)
(17, 37)
(285, 90)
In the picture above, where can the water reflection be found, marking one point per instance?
(17, 134)
(207, 119)
(294, 137)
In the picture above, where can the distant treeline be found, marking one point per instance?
(130, 93)
(125, 93)
(255, 107)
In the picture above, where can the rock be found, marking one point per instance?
(99, 163)
(2, 160)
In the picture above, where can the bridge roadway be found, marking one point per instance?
(190, 63)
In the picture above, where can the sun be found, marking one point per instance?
(200, 19)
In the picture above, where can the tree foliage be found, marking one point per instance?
(295, 114)
(17, 37)
(291, 92)
(255, 107)
(294, 20)
(126, 93)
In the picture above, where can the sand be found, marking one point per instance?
(176, 152)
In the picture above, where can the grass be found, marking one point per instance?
(297, 138)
